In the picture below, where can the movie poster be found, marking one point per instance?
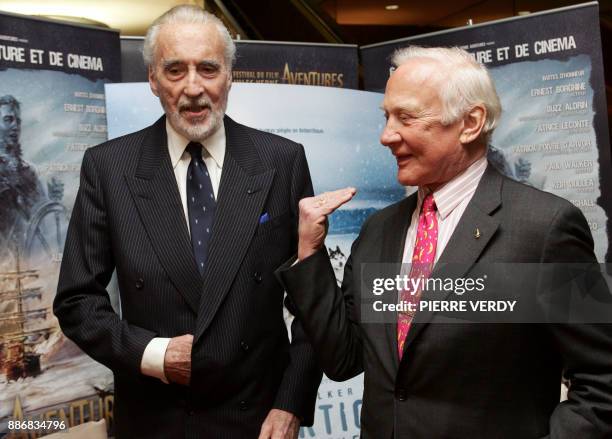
(341, 139)
(52, 78)
(553, 133)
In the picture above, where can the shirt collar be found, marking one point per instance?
(214, 145)
(463, 185)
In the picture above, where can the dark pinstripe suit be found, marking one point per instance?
(128, 215)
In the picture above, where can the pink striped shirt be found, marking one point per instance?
(451, 200)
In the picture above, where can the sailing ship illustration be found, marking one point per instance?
(22, 323)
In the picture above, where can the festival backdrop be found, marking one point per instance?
(52, 78)
(326, 65)
(270, 62)
(553, 133)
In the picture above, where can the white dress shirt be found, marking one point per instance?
(213, 153)
(451, 201)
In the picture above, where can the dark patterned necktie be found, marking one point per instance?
(200, 205)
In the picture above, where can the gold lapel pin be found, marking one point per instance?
(477, 233)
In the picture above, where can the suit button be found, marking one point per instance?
(139, 284)
(244, 346)
(402, 394)
(190, 412)
(243, 405)
(257, 277)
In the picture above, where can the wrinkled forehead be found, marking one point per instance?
(414, 84)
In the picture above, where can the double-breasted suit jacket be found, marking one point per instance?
(128, 217)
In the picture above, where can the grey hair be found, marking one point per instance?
(187, 14)
(469, 83)
(9, 100)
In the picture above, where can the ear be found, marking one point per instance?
(229, 80)
(473, 122)
(152, 81)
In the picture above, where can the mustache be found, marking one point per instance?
(198, 104)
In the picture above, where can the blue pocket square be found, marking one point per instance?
(264, 218)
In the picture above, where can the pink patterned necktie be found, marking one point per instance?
(423, 258)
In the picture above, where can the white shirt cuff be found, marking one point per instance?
(152, 363)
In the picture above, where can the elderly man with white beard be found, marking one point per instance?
(194, 213)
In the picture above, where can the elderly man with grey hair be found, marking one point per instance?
(427, 375)
(194, 213)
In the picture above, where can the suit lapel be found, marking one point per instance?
(157, 199)
(242, 194)
(464, 248)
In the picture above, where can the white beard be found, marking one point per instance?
(199, 131)
(196, 131)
